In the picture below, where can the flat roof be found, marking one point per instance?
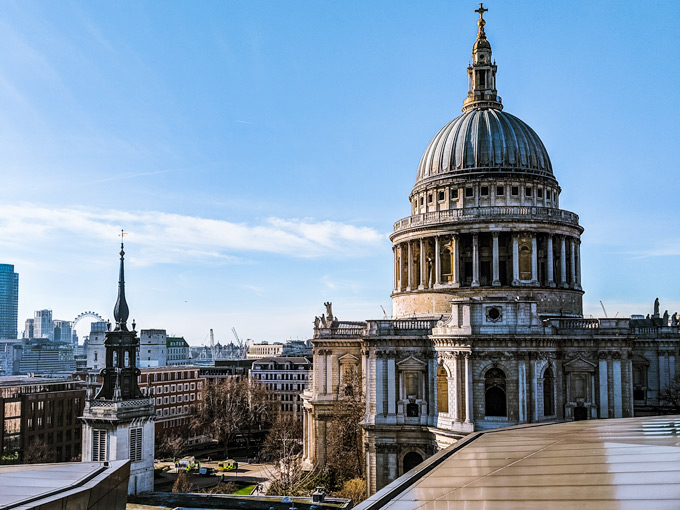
(29, 485)
(598, 464)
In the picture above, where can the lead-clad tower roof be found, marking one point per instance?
(484, 138)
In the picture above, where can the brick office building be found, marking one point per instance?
(40, 409)
(175, 389)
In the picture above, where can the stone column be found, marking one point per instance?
(437, 263)
(409, 263)
(468, 389)
(496, 273)
(522, 383)
(423, 269)
(534, 259)
(618, 387)
(578, 263)
(455, 263)
(396, 265)
(572, 256)
(379, 398)
(391, 386)
(515, 259)
(475, 260)
(401, 267)
(550, 262)
(604, 390)
(456, 389)
(563, 262)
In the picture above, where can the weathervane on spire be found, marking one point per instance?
(481, 22)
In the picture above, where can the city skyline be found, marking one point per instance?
(258, 155)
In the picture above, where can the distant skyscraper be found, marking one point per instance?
(9, 301)
(63, 331)
(43, 327)
(29, 328)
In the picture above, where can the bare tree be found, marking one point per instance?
(172, 446)
(260, 410)
(38, 452)
(671, 394)
(230, 407)
(182, 483)
(282, 447)
(344, 439)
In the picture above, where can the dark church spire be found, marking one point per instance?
(121, 312)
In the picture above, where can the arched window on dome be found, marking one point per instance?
(442, 390)
(548, 392)
(494, 393)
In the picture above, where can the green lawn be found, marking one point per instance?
(245, 491)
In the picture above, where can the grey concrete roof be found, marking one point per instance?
(487, 140)
(599, 464)
(29, 485)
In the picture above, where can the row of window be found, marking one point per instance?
(176, 399)
(294, 377)
(172, 388)
(169, 376)
(485, 191)
(171, 411)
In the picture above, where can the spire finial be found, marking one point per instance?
(121, 312)
(481, 22)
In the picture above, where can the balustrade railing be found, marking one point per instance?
(479, 213)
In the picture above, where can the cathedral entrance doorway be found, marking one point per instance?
(580, 413)
(411, 460)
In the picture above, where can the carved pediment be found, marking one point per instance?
(579, 365)
(411, 363)
(640, 360)
(348, 358)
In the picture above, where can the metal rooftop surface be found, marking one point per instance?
(625, 463)
(29, 485)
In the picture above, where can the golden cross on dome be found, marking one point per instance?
(122, 234)
(481, 22)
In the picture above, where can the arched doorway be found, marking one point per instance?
(494, 393)
(411, 460)
(548, 392)
(580, 413)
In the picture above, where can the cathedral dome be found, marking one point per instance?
(482, 141)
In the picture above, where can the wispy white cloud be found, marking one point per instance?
(665, 248)
(173, 238)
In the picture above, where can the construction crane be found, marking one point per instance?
(384, 312)
(605, 311)
(242, 345)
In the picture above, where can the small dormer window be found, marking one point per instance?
(454, 193)
(547, 194)
(539, 192)
(515, 191)
(527, 191)
(429, 198)
(500, 191)
(440, 196)
(485, 191)
(469, 192)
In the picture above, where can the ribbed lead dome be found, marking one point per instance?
(484, 140)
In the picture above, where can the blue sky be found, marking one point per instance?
(258, 153)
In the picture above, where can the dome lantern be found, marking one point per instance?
(482, 93)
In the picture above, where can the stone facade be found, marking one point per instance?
(487, 328)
